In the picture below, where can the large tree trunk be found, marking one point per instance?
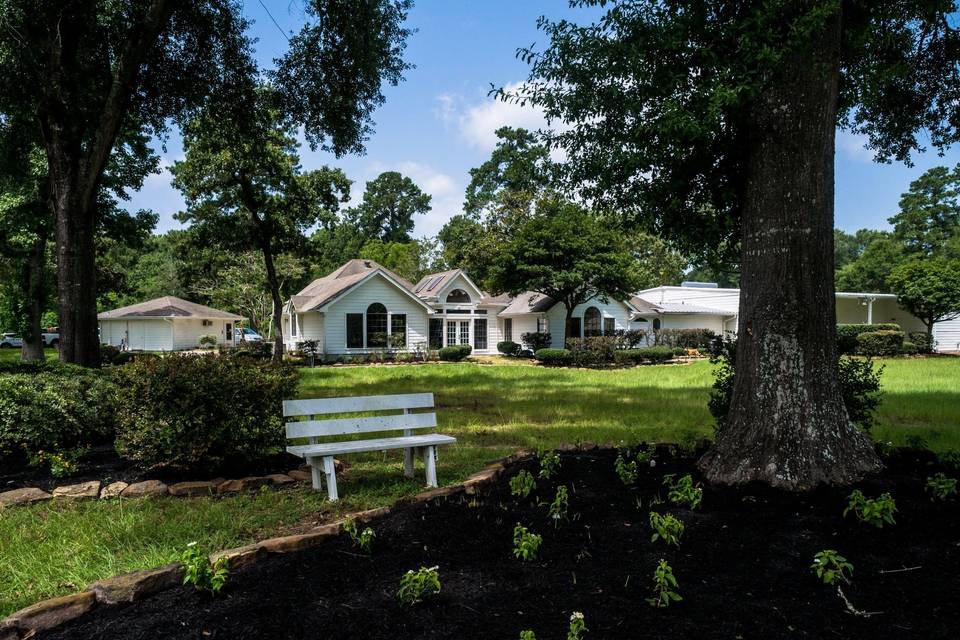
(788, 425)
(34, 292)
(274, 284)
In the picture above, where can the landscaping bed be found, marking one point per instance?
(742, 566)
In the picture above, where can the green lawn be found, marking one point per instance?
(493, 410)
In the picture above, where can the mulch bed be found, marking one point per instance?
(103, 463)
(743, 568)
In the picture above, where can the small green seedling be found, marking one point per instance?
(683, 491)
(941, 487)
(526, 545)
(522, 484)
(664, 584)
(578, 626)
(560, 504)
(363, 539)
(645, 455)
(666, 528)
(528, 634)
(416, 585)
(200, 572)
(549, 463)
(875, 511)
(830, 567)
(626, 470)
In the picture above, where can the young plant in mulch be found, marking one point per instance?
(528, 634)
(200, 572)
(940, 487)
(560, 505)
(873, 511)
(549, 464)
(666, 528)
(526, 545)
(683, 491)
(522, 484)
(362, 539)
(664, 584)
(417, 585)
(831, 567)
(578, 626)
(626, 469)
(645, 455)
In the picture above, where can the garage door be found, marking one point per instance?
(149, 335)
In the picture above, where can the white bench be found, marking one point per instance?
(316, 453)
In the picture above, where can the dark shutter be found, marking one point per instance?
(354, 331)
(609, 326)
(436, 333)
(480, 333)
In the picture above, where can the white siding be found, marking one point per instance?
(557, 317)
(188, 331)
(947, 335)
(376, 289)
(139, 334)
(459, 283)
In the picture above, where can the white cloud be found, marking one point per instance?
(478, 123)
(854, 146)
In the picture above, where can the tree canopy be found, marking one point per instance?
(390, 201)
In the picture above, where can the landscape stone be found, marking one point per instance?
(23, 496)
(280, 479)
(243, 484)
(130, 587)
(145, 488)
(193, 488)
(82, 491)
(241, 556)
(54, 612)
(113, 489)
(300, 475)
(287, 544)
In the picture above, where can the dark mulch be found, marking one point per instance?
(103, 463)
(743, 569)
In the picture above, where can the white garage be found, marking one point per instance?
(165, 324)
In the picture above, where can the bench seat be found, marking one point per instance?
(375, 444)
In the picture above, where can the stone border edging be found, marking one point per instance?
(137, 585)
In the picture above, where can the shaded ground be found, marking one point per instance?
(743, 568)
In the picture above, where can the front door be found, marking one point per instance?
(464, 331)
(137, 335)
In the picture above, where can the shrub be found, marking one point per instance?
(847, 335)
(666, 528)
(416, 585)
(537, 340)
(207, 342)
(880, 343)
(874, 511)
(859, 385)
(522, 484)
(593, 351)
(684, 338)
(455, 353)
(941, 487)
(55, 409)
(509, 348)
(200, 572)
(201, 412)
(526, 545)
(249, 350)
(923, 341)
(909, 349)
(554, 357)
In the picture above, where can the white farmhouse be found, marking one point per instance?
(165, 324)
(364, 307)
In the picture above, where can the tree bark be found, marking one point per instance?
(788, 425)
(274, 284)
(34, 291)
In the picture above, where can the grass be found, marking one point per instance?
(54, 548)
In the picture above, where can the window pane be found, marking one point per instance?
(480, 334)
(591, 322)
(541, 325)
(436, 333)
(465, 332)
(573, 328)
(398, 330)
(451, 333)
(508, 329)
(458, 295)
(609, 326)
(376, 325)
(355, 331)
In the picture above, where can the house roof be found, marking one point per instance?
(529, 302)
(502, 300)
(433, 283)
(324, 290)
(168, 307)
(647, 308)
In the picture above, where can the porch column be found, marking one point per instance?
(870, 310)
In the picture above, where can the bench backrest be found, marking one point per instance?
(313, 428)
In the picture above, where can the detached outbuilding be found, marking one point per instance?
(165, 324)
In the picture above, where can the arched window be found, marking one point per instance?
(376, 326)
(458, 295)
(656, 324)
(592, 323)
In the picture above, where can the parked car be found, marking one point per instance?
(246, 334)
(50, 339)
(11, 340)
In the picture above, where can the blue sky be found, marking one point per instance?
(439, 123)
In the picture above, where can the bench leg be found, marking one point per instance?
(315, 472)
(331, 473)
(408, 462)
(429, 461)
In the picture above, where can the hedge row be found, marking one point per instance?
(567, 357)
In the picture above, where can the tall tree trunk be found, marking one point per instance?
(34, 292)
(788, 425)
(274, 283)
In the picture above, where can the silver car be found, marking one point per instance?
(11, 340)
(246, 334)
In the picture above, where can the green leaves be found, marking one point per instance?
(830, 566)
(416, 585)
(522, 484)
(664, 585)
(666, 528)
(683, 491)
(873, 511)
(929, 288)
(526, 545)
(199, 571)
